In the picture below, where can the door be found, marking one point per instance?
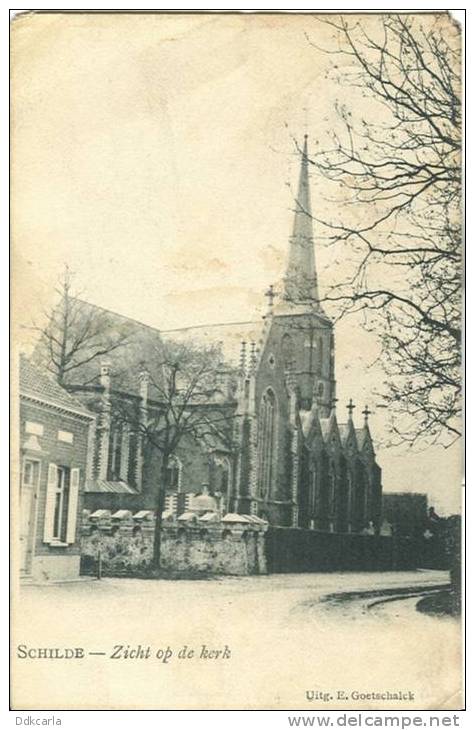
(29, 487)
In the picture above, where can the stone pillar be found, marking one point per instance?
(105, 422)
(91, 439)
(295, 477)
(144, 383)
(253, 466)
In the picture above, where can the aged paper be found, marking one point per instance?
(234, 195)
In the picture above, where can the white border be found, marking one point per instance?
(217, 719)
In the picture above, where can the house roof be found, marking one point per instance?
(36, 382)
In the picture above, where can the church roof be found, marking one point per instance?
(326, 424)
(361, 435)
(143, 346)
(135, 345)
(228, 336)
(344, 429)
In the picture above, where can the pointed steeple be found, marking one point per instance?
(300, 283)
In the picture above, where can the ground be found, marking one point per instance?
(286, 635)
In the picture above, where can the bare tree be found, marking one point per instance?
(188, 402)
(75, 334)
(397, 181)
(187, 395)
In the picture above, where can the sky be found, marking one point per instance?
(155, 155)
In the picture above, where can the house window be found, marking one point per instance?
(61, 503)
(61, 508)
(31, 470)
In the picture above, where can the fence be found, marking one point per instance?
(290, 550)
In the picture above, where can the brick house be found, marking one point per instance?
(55, 430)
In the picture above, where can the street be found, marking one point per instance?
(263, 641)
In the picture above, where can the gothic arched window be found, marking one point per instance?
(115, 449)
(359, 501)
(174, 474)
(287, 352)
(266, 442)
(220, 474)
(319, 357)
(323, 492)
(333, 494)
(343, 497)
(313, 491)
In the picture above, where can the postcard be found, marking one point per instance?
(236, 435)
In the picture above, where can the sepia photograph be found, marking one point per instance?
(236, 435)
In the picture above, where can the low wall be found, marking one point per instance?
(294, 550)
(233, 545)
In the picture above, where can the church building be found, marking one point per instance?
(283, 455)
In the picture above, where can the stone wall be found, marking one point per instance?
(232, 545)
(206, 544)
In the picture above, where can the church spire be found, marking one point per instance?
(300, 283)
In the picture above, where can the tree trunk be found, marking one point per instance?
(157, 536)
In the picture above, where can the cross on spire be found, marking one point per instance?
(351, 407)
(271, 295)
(366, 413)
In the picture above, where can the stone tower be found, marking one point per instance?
(307, 333)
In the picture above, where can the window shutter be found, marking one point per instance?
(50, 502)
(73, 506)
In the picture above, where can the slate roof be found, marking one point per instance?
(344, 429)
(360, 436)
(228, 336)
(117, 487)
(36, 382)
(142, 345)
(306, 419)
(325, 424)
